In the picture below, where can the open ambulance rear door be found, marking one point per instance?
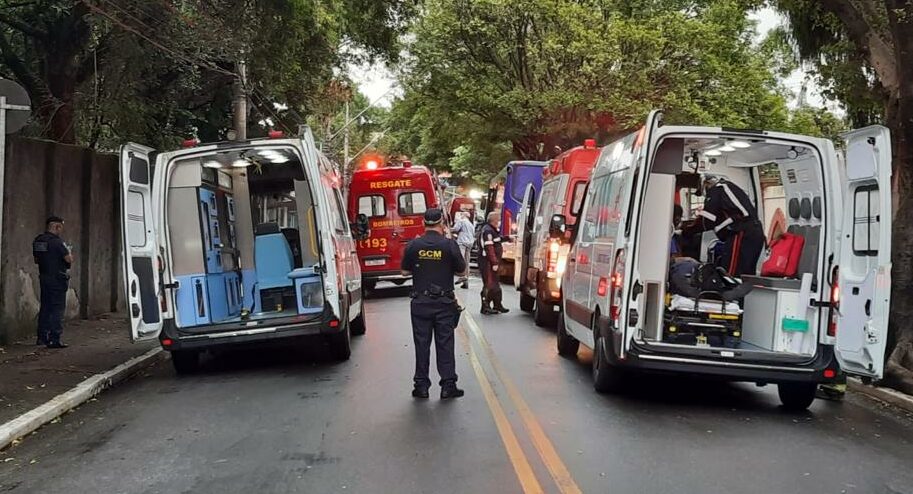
(863, 291)
(140, 246)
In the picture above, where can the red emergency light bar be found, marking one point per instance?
(589, 144)
(189, 143)
(276, 134)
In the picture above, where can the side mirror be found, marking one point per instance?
(557, 226)
(360, 228)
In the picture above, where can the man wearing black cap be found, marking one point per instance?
(53, 258)
(432, 260)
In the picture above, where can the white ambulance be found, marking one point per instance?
(795, 332)
(240, 242)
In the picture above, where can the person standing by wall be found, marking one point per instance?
(465, 236)
(54, 258)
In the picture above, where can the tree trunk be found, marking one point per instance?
(899, 367)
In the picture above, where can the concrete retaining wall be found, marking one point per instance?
(44, 178)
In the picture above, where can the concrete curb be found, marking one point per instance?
(81, 393)
(888, 395)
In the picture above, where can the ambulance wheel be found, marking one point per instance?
(545, 315)
(797, 396)
(341, 344)
(358, 325)
(567, 344)
(527, 303)
(185, 361)
(606, 377)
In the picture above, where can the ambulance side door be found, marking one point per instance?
(140, 250)
(864, 272)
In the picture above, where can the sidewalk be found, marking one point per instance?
(31, 375)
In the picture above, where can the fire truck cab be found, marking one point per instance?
(394, 198)
(548, 231)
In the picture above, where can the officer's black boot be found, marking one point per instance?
(498, 307)
(451, 391)
(486, 304)
(420, 392)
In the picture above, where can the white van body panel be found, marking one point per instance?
(140, 242)
(865, 255)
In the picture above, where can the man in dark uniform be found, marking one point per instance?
(490, 252)
(53, 258)
(432, 260)
(730, 214)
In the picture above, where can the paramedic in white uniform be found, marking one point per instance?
(730, 214)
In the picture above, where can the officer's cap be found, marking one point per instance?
(53, 219)
(433, 216)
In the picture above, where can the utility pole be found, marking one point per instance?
(345, 144)
(239, 89)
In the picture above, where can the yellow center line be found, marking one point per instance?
(550, 457)
(521, 465)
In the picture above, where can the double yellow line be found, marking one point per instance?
(556, 468)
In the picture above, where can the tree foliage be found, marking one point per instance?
(104, 71)
(541, 75)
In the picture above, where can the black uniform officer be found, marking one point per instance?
(432, 260)
(53, 258)
(490, 252)
(729, 212)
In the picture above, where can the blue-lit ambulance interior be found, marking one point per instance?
(241, 237)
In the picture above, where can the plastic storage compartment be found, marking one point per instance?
(308, 290)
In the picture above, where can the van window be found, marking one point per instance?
(866, 220)
(338, 213)
(546, 203)
(577, 197)
(372, 206)
(610, 199)
(412, 203)
(594, 211)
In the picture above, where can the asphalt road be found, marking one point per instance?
(291, 420)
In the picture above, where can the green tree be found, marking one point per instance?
(102, 71)
(543, 75)
(862, 51)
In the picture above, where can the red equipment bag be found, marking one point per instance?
(784, 256)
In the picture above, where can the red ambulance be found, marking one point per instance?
(394, 197)
(545, 245)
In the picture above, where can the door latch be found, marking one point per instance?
(172, 286)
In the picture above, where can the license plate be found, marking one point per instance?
(375, 262)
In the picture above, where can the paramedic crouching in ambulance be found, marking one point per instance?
(432, 260)
(730, 214)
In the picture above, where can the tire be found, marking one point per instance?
(545, 315)
(358, 325)
(797, 396)
(606, 377)
(185, 361)
(567, 344)
(369, 284)
(527, 303)
(341, 344)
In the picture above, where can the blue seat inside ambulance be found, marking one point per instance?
(273, 257)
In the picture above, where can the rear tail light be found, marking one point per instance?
(551, 259)
(603, 286)
(835, 303)
(167, 342)
(508, 226)
(334, 323)
(617, 280)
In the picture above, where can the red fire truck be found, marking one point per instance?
(548, 230)
(394, 197)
